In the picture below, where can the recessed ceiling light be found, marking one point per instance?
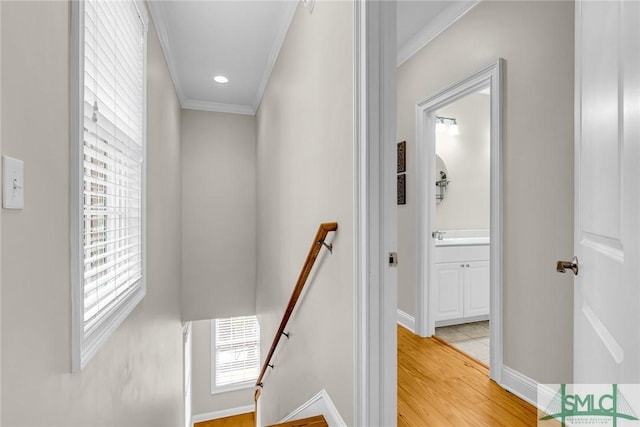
(221, 79)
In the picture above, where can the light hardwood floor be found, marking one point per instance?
(243, 420)
(317, 421)
(439, 386)
(248, 420)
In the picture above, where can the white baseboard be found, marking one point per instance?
(520, 385)
(320, 404)
(197, 418)
(407, 321)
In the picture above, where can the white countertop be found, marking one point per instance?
(463, 241)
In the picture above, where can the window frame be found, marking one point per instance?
(215, 389)
(84, 346)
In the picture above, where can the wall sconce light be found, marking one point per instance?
(453, 129)
(441, 125)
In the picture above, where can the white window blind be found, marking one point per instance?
(236, 349)
(112, 154)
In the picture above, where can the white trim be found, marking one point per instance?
(320, 404)
(218, 107)
(434, 28)
(187, 370)
(161, 31)
(198, 418)
(259, 413)
(142, 12)
(425, 207)
(75, 178)
(409, 322)
(520, 385)
(285, 22)
(375, 223)
(524, 387)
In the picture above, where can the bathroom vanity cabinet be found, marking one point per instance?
(461, 288)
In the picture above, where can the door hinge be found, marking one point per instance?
(393, 259)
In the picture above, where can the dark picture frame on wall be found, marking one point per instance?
(402, 189)
(402, 156)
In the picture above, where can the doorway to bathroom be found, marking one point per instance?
(459, 217)
(460, 285)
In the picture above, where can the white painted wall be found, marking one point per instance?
(466, 157)
(305, 177)
(536, 40)
(203, 401)
(219, 215)
(136, 378)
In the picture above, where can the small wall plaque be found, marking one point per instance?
(402, 189)
(402, 156)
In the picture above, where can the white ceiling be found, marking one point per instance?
(241, 40)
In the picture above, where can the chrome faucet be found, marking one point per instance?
(438, 235)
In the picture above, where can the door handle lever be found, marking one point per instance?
(562, 266)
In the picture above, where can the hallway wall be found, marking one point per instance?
(218, 152)
(136, 378)
(536, 40)
(305, 177)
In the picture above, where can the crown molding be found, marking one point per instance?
(155, 7)
(161, 30)
(285, 22)
(434, 28)
(217, 107)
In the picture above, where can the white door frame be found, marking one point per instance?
(375, 212)
(186, 373)
(425, 216)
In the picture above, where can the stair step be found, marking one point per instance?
(317, 421)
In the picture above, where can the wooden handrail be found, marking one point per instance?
(318, 243)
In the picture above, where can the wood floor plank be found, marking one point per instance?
(317, 421)
(242, 420)
(439, 386)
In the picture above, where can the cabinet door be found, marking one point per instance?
(476, 288)
(448, 290)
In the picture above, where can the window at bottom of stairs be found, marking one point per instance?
(235, 347)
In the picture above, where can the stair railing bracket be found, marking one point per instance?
(328, 246)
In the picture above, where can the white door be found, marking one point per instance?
(606, 296)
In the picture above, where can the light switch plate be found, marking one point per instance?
(12, 183)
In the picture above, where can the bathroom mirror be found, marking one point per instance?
(441, 179)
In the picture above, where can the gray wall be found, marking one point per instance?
(536, 40)
(202, 401)
(219, 215)
(305, 177)
(136, 378)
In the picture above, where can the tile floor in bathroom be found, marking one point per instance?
(471, 338)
